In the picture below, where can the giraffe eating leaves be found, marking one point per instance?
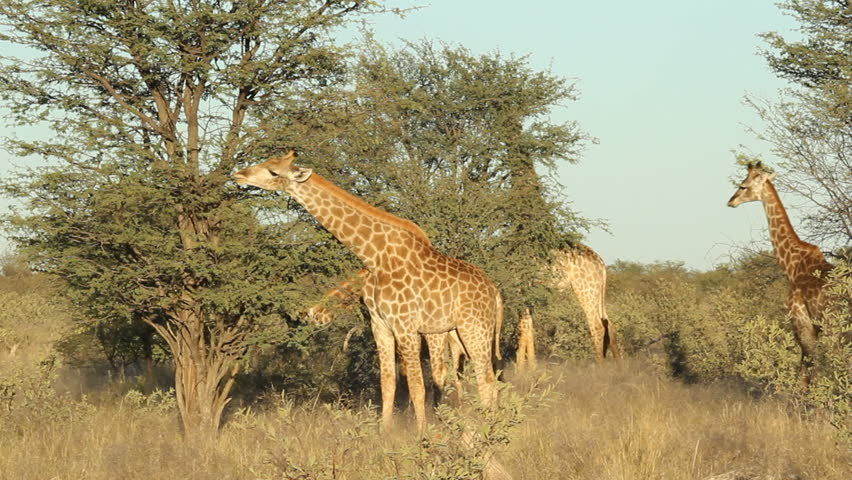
(412, 288)
(582, 270)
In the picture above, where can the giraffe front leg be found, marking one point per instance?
(437, 344)
(610, 342)
(385, 346)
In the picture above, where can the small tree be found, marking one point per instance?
(468, 151)
(151, 105)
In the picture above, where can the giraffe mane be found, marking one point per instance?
(375, 212)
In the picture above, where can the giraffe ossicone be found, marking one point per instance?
(412, 288)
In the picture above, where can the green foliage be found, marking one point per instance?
(462, 145)
(158, 401)
(829, 391)
(28, 397)
(690, 324)
(771, 358)
(820, 58)
(335, 363)
(151, 106)
(810, 125)
(561, 330)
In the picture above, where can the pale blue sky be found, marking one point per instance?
(661, 85)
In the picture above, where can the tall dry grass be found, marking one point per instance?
(624, 423)
(596, 423)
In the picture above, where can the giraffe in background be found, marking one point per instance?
(803, 263)
(344, 297)
(412, 288)
(526, 341)
(582, 270)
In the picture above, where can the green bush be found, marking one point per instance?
(771, 356)
(28, 397)
(831, 389)
(772, 359)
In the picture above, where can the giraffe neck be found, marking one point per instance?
(784, 238)
(363, 228)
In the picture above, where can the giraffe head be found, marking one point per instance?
(274, 174)
(319, 315)
(752, 188)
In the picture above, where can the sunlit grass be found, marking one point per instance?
(622, 423)
(597, 423)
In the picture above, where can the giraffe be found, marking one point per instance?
(803, 263)
(344, 294)
(412, 288)
(350, 289)
(582, 270)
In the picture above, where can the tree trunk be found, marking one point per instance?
(148, 361)
(204, 370)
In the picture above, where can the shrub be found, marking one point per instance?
(772, 359)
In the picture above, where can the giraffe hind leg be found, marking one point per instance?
(805, 333)
(409, 351)
(477, 342)
(457, 354)
(610, 344)
(436, 343)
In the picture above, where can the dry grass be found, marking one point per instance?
(598, 423)
(622, 423)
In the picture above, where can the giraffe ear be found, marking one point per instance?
(299, 174)
(289, 156)
(772, 176)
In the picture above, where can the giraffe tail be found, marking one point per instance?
(498, 326)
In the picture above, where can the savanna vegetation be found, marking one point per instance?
(152, 319)
(710, 387)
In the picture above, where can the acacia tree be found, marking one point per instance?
(810, 127)
(150, 105)
(454, 141)
(478, 130)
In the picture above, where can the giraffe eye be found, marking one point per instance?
(742, 187)
(272, 173)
